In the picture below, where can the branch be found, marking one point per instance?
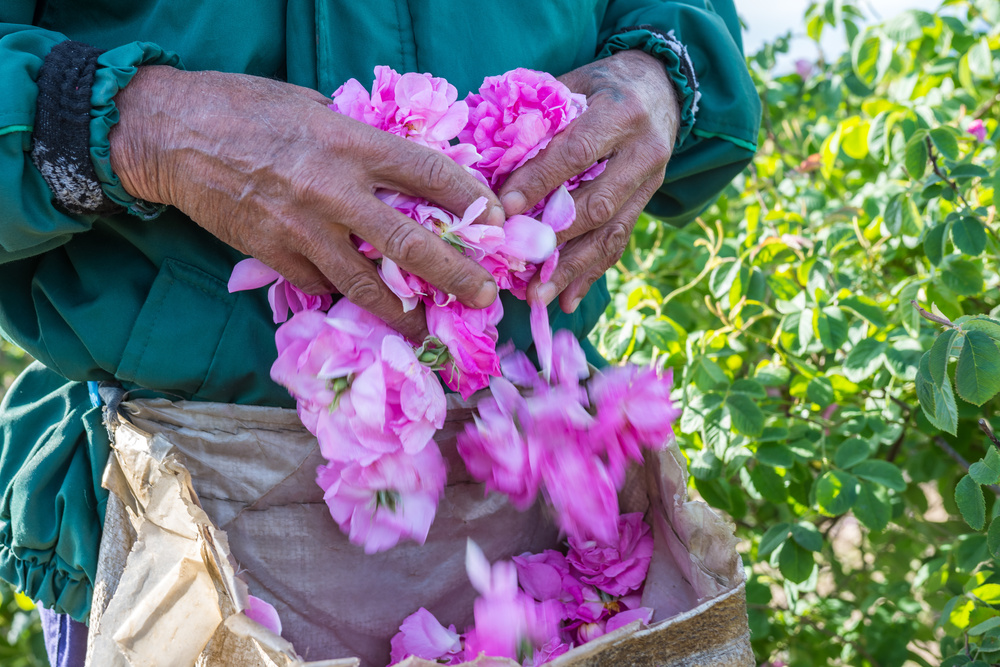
(940, 319)
(985, 426)
(940, 174)
(950, 451)
(986, 106)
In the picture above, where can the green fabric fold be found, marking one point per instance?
(115, 70)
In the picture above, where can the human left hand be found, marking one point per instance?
(631, 119)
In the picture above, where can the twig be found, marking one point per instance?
(950, 451)
(985, 426)
(940, 319)
(940, 174)
(986, 106)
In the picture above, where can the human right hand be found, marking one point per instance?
(267, 168)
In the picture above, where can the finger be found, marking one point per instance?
(358, 280)
(424, 172)
(585, 259)
(587, 139)
(598, 201)
(424, 254)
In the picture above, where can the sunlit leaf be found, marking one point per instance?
(971, 503)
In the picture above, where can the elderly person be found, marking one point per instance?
(146, 146)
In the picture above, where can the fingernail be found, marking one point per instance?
(496, 217)
(513, 203)
(573, 304)
(487, 294)
(546, 293)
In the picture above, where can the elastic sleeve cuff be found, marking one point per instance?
(115, 68)
(676, 61)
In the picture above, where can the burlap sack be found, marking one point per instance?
(210, 501)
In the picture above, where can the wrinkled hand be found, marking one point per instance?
(632, 120)
(267, 168)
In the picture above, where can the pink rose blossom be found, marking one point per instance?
(283, 296)
(393, 498)
(514, 116)
(618, 568)
(470, 335)
(977, 129)
(423, 636)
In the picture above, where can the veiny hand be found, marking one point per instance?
(631, 119)
(267, 168)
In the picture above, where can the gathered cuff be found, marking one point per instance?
(45, 578)
(115, 69)
(674, 56)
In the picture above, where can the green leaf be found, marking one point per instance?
(944, 140)
(934, 243)
(962, 276)
(836, 492)
(937, 400)
(660, 332)
(697, 409)
(775, 455)
(820, 391)
(773, 538)
(851, 451)
(881, 472)
(771, 375)
(915, 158)
(988, 593)
(987, 325)
(939, 355)
(987, 470)
(981, 59)
(751, 388)
(795, 562)
(877, 134)
(870, 58)
(970, 501)
(903, 217)
(904, 27)
(864, 359)
(830, 327)
(866, 308)
(807, 536)
(872, 507)
(985, 626)
(993, 539)
(969, 235)
(977, 375)
(706, 374)
(705, 465)
(747, 417)
(769, 483)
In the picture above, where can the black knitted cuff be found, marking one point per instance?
(61, 138)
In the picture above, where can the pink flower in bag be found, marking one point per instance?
(423, 636)
(618, 568)
(394, 497)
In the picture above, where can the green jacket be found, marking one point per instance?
(145, 301)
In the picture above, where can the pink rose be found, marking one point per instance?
(423, 636)
(618, 568)
(283, 296)
(977, 129)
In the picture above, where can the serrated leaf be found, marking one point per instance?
(831, 328)
(934, 243)
(877, 134)
(969, 235)
(769, 483)
(988, 593)
(697, 409)
(987, 325)
(936, 400)
(705, 465)
(795, 563)
(872, 508)
(751, 388)
(807, 536)
(775, 455)
(962, 276)
(993, 539)
(773, 538)
(820, 391)
(915, 156)
(985, 626)
(771, 375)
(866, 308)
(864, 359)
(977, 375)
(987, 470)
(971, 503)
(836, 492)
(939, 355)
(881, 472)
(850, 452)
(660, 332)
(747, 417)
(945, 142)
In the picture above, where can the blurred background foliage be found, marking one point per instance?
(832, 326)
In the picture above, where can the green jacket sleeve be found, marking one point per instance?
(718, 134)
(32, 221)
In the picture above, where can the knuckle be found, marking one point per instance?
(583, 151)
(363, 290)
(612, 240)
(600, 206)
(406, 245)
(436, 175)
(658, 153)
